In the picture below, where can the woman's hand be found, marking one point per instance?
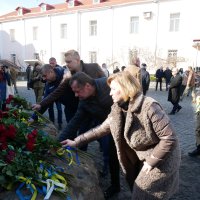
(68, 142)
(146, 167)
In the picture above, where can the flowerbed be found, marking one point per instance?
(28, 153)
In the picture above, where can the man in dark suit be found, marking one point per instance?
(174, 91)
(159, 75)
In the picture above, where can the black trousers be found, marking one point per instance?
(114, 165)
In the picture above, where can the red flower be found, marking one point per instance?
(3, 139)
(30, 146)
(7, 109)
(11, 132)
(34, 132)
(11, 97)
(10, 156)
(31, 138)
(2, 128)
(4, 146)
(8, 101)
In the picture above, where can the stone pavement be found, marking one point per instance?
(184, 123)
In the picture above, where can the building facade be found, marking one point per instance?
(159, 32)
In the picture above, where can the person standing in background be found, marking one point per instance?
(38, 85)
(159, 75)
(167, 76)
(50, 88)
(190, 86)
(196, 152)
(105, 70)
(174, 91)
(28, 75)
(145, 78)
(13, 75)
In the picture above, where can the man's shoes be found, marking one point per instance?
(111, 191)
(178, 109)
(194, 153)
(59, 127)
(171, 113)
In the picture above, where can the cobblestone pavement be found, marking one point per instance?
(184, 123)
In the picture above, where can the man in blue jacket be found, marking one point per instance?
(53, 76)
(51, 86)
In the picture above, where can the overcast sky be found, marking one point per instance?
(10, 5)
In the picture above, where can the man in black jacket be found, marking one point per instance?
(95, 103)
(174, 91)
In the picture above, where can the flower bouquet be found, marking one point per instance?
(27, 156)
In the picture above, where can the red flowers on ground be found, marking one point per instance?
(31, 140)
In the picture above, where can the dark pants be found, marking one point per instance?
(51, 112)
(114, 165)
(69, 114)
(175, 107)
(159, 80)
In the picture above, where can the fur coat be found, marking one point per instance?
(146, 134)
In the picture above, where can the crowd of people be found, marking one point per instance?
(133, 130)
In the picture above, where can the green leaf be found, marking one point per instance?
(2, 164)
(9, 173)
(2, 179)
(11, 147)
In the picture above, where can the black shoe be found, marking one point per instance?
(111, 191)
(194, 153)
(178, 109)
(171, 113)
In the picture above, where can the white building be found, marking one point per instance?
(159, 32)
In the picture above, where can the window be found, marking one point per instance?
(13, 58)
(63, 31)
(43, 7)
(172, 55)
(174, 22)
(93, 56)
(36, 56)
(134, 24)
(93, 28)
(20, 12)
(96, 1)
(12, 35)
(70, 3)
(35, 33)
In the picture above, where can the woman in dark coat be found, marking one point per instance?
(175, 91)
(146, 143)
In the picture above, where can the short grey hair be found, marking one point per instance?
(46, 68)
(73, 53)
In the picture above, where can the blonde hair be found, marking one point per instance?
(130, 86)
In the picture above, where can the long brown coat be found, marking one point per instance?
(145, 135)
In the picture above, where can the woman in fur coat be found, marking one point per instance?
(146, 143)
